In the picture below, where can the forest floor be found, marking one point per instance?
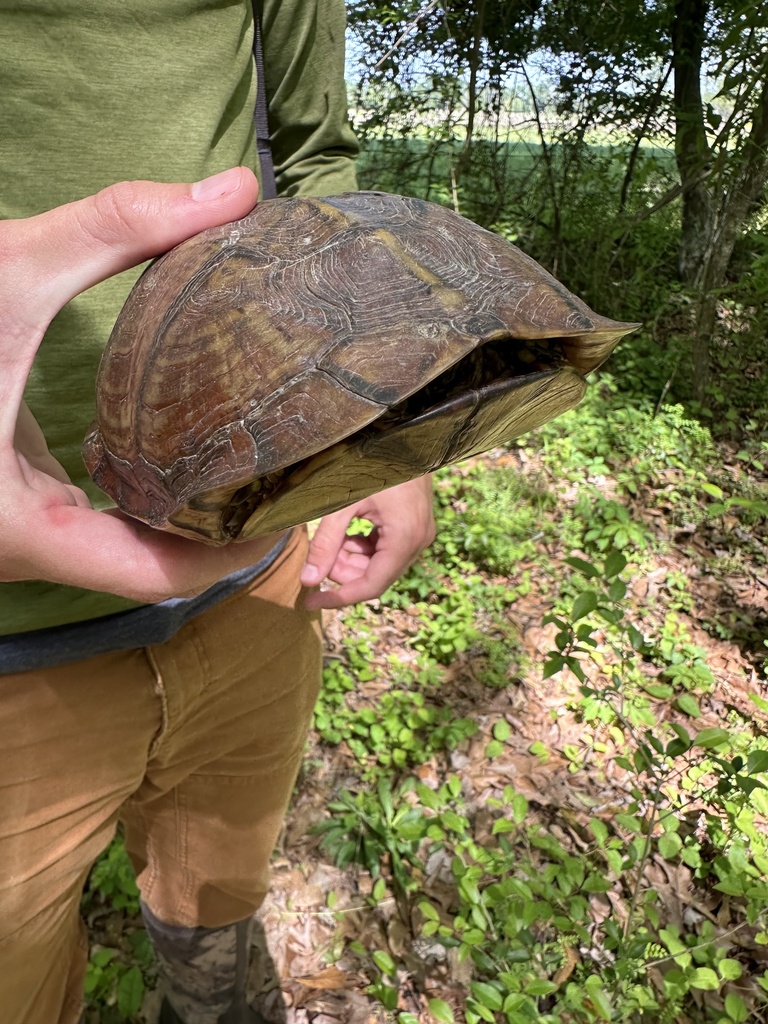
(309, 973)
(700, 586)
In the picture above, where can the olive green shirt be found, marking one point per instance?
(97, 91)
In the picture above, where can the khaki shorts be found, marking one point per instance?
(194, 745)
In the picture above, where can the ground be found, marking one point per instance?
(328, 934)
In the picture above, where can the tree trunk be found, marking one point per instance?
(474, 66)
(691, 146)
(749, 180)
(710, 227)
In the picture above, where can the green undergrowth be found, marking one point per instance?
(121, 963)
(558, 914)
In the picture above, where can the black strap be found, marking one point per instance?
(260, 116)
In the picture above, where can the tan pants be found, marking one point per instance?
(193, 744)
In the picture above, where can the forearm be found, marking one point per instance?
(313, 145)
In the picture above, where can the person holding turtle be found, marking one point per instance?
(145, 678)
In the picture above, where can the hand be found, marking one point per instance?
(48, 529)
(365, 566)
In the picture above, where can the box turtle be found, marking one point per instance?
(272, 370)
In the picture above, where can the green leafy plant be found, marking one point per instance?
(373, 828)
(522, 901)
(404, 728)
(112, 880)
(118, 975)
(115, 984)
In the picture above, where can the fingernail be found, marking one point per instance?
(216, 186)
(310, 575)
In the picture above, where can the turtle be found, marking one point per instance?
(269, 371)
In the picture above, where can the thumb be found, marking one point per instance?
(324, 548)
(58, 254)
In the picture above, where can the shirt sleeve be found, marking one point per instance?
(313, 145)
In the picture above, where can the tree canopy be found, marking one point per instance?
(683, 78)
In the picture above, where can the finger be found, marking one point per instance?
(58, 254)
(349, 566)
(32, 446)
(353, 558)
(52, 257)
(391, 558)
(324, 548)
(382, 571)
(360, 544)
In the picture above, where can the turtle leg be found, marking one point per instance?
(205, 972)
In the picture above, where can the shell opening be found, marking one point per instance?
(487, 366)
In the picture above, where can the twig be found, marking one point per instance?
(644, 858)
(663, 394)
(455, 190)
(332, 910)
(693, 949)
(425, 10)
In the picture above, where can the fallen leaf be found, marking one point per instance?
(331, 979)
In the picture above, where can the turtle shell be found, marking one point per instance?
(283, 366)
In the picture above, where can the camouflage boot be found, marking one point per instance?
(205, 971)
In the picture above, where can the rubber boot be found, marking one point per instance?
(247, 1015)
(205, 971)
